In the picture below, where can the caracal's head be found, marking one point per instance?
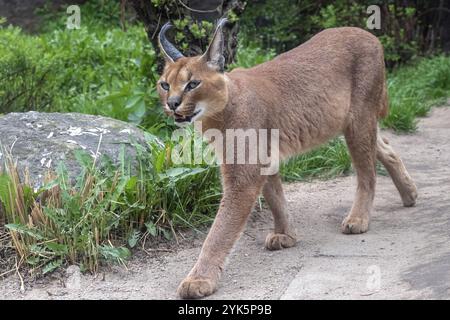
(192, 88)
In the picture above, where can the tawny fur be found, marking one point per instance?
(331, 85)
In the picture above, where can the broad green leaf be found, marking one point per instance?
(83, 158)
(24, 230)
(51, 266)
(33, 260)
(134, 238)
(151, 228)
(59, 249)
(114, 253)
(5, 185)
(132, 102)
(131, 184)
(176, 174)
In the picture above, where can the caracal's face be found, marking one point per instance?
(190, 90)
(193, 88)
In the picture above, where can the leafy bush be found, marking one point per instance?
(93, 71)
(408, 28)
(23, 72)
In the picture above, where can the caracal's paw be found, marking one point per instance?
(355, 225)
(195, 288)
(409, 198)
(278, 241)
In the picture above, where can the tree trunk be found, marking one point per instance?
(153, 17)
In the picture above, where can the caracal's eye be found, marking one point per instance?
(165, 85)
(192, 85)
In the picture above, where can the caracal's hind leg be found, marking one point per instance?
(361, 138)
(394, 165)
(283, 235)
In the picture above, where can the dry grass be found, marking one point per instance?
(98, 216)
(7, 253)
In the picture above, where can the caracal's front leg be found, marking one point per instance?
(240, 192)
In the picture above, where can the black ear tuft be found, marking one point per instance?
(214, 54)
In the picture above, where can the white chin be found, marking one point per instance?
(182, 124)
(198, 115)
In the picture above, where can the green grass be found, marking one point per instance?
(414, 89)
(326, 161)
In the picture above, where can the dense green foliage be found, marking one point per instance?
(414, 89)
(106, 72)
(102, 69)
(408, 28)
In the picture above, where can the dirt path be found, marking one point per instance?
(405, 254)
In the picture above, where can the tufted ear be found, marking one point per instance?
(169, 51)
(213, 56)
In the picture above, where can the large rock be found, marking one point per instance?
(39, 141)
